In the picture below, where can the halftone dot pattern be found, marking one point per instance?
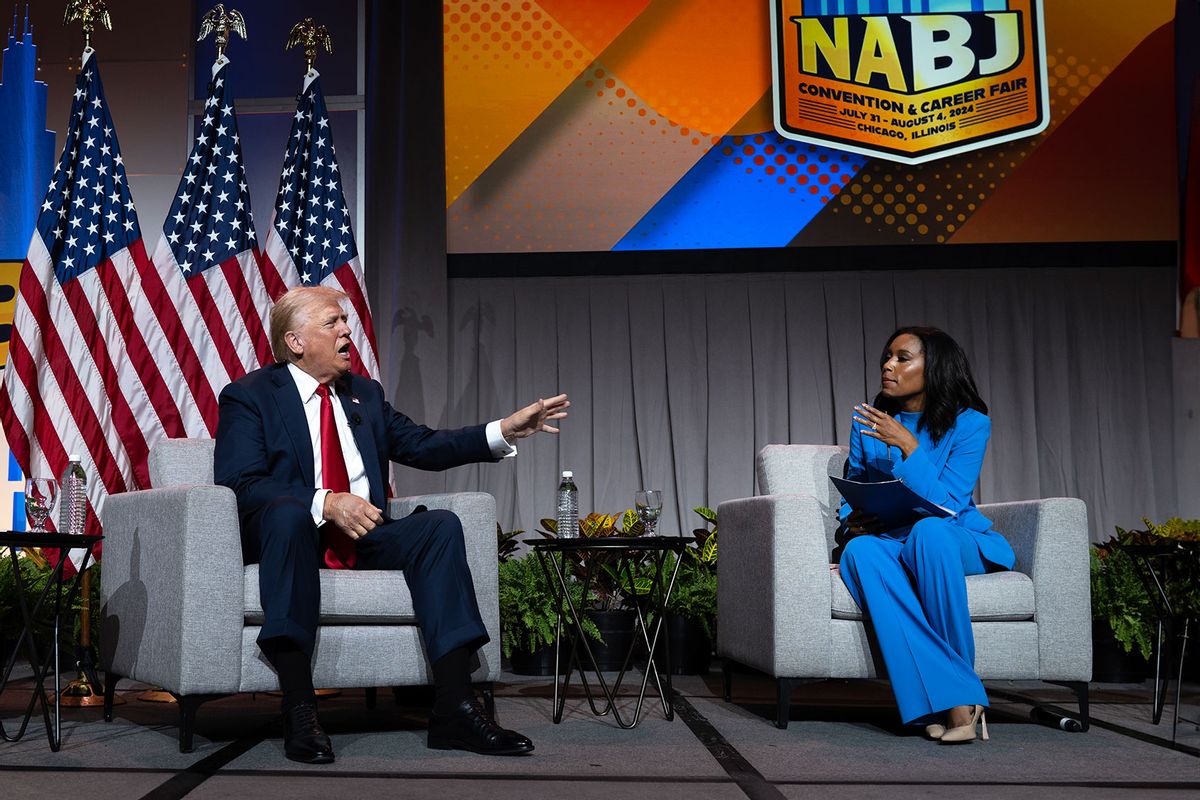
(756, 190)
(802, 168)
(1070, 80)
(519, 31)
(594, 24)
(702, 63)
(623, 99)
(504, 63)
(928, 203)
(582, 174)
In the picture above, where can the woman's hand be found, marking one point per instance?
(885, 428)
(860, 523)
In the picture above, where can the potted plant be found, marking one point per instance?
(1121, 632)
(35, 574)
(528, 614)
(608, 603)
(691, 620)
(1121, 603)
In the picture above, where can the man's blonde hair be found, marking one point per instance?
(290, 312)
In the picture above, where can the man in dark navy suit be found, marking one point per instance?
(305, 445)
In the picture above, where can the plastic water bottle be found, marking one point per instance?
(568, 507)
(72, 507)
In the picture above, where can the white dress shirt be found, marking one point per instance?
(355, 469)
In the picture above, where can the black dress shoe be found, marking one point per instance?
(303, 738)
(469, 727)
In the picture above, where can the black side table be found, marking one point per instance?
(1153, 562)
(629, 551)
(63, 599)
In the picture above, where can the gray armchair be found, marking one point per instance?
(781, 611)
(181, 610)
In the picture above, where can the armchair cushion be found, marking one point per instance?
(348, 597)
(998, 597)
(182, 462)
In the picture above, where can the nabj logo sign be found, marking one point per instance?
(909, 80)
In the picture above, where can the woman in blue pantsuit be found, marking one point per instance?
(928, 428)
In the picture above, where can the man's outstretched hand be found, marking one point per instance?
(533, 418)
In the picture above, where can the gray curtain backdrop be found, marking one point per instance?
(676, 382)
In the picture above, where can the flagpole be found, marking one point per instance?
(86, 689)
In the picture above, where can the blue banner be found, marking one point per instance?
(818, 8)
(26, 147)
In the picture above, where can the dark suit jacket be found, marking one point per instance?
(264, 450)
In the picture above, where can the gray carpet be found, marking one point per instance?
(843, 741)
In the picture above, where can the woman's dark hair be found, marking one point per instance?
(949, 387)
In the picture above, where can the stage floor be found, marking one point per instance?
(844, 741)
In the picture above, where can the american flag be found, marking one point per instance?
(310, 242)
(88, 368)
(209, 264)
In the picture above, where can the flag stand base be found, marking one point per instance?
(79, 694)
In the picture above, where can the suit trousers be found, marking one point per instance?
(911, 584)
(427, 546)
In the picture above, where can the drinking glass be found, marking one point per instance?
(648, 503)
(40, 494)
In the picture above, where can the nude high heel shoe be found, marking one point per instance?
(966, 733)
(935, 731)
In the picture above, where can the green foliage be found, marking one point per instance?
(1182, 530)
(596, 525)
(34, 579)
(706, 538)
(1180, 575)
(35, 574)
(1120, 596)
(695, 594)
(528, 611)
(608, 588)
(506, 543)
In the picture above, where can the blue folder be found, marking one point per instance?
(892, 502)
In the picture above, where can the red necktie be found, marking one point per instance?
(337, 548)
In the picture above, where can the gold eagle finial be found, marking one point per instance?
(89, 12)
(313, 36)
(225, 23)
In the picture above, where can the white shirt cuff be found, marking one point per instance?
(318, 507)
(499, 445)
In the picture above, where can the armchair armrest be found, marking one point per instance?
(1050, 539)
(477, 511)
(172, 588)
(773, 595)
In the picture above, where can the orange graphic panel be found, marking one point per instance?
(504, 63)
(10, 273)
(702, 64)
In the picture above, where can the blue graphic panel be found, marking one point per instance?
(26, 147)
(18, 506)
(817, 8)
(747, 191)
